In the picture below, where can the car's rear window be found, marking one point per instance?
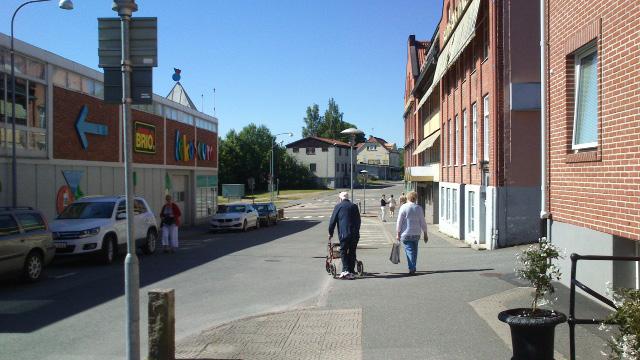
(31, 222)
(88, 210)
(8, 225)
(261, 207)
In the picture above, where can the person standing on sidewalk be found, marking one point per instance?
(409, 226)
(392, 206)
(346, 216)
(170, 221)
(383, 208)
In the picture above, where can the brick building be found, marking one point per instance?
(593, 142)
(175, 145)
(488, 72)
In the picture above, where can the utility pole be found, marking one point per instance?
(125, 8)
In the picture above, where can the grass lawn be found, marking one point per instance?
(285, 195)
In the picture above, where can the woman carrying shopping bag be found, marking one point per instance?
(410, 226)
(170, 221)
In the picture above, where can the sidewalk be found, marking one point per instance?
(448, 311)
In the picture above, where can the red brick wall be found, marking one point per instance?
(66, 141)
(460, 88)
(172, 127)
(598, 188)
(157, 121)
(211, 139)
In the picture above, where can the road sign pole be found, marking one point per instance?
(125, 8)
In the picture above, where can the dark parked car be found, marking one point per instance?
(26, 245)
(267, 212)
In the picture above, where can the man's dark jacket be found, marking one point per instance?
(347, 216)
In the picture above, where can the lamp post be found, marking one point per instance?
(273, 143)
(352, 132)
(65, 5)
(364, 192)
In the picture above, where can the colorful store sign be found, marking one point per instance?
(186, 150)
(145, 138)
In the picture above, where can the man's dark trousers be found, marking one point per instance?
(348, 254)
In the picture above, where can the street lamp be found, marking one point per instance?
(352, 132)
(364, 192)
(273, 143)
(65, 5)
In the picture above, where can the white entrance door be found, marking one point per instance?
(180, 195)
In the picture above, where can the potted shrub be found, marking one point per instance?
(625, 342)
(533, 328)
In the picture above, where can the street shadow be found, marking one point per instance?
(26, 308)
(394, 275)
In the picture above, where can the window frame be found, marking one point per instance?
(455, 143)
(471, 220)
(474, 134)
(465, 140)
(485, 127)
(580, 54)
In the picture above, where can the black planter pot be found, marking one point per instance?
(532, 336)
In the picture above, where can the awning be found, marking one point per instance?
(459, 39)
(427, 142)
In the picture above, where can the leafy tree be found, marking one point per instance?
(312, 121)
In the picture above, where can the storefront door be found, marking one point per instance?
(181, 196)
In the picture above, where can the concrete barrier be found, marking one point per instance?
(162, 326)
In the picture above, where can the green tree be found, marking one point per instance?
(312, 121)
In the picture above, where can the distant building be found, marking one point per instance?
(328, 159)
(380, 158)
(422, 125)
(592, 145)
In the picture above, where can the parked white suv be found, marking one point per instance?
(98, 225)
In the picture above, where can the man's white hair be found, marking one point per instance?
(344, 195)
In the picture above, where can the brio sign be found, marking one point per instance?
(186, 149)
(145, 138)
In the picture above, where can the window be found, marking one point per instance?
(465, 142)
(138, 207)
(454, 207)
(442, 198)
(311, 151)
(485, 42)
(472, 211)
(585, 114)
(337, 167)
(31, 222)
(205, 201)
(448, 203)
(296, 150)
(485, 129)
(474, 133)
(473, 56)
(450, 142)
(371, 148)
(74, 81)
(457, 136)
(8, 225)
(324, 149)
(312, 167)
(339, 151)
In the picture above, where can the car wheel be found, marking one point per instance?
(152, 240)
(257, 224)
(33, 266)
(275, 221)
(268, 222)
(244, 225)
(108, 252)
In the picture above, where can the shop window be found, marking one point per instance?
(60, 77)
(472, 211)
(35, 69)
(585, 114)
(20, 64)
(205, 202)
(442, 201)
(448, 204)
(88, 86)
(74, 81)
(99, 90)
(37, 99)
(21, 102)
(454, 206)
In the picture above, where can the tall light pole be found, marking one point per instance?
(352, 132)
(273, 144)
(364, 191)
(125, 8)
(65, 5)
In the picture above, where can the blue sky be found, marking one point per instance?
(268, 60)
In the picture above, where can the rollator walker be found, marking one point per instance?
(333, 253)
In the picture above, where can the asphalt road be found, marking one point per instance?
(77, 311)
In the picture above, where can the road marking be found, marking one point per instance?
(63, 276)
(308, 217)
(320, 216)
(296, 217)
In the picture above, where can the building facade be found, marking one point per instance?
(328, 159)
(69, 143)
(422, 125)
(380, 158)
(593, 122)
(488, 72)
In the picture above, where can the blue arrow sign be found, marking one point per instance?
(83, 127)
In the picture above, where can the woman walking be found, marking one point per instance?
(392, 206)
(409, 226)
(170, 221)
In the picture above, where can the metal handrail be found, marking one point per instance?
(572, 321)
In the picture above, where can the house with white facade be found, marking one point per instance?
(380, 158)
(328, 159)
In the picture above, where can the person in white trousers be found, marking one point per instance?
(383, 208)
(170, 221)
